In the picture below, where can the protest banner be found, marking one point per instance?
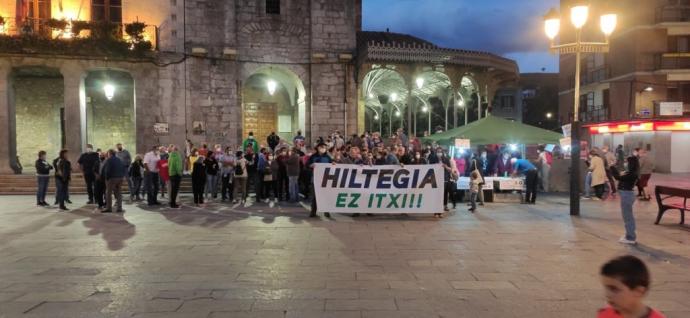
(387, 189)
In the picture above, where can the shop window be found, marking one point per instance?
(106, 10)
(272, 6)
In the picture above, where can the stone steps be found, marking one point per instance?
(26, 184)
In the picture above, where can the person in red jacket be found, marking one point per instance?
(626, 281)
(163, 170)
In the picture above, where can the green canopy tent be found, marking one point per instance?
(496, 130)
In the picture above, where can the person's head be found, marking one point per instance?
(643, 152)
(195, 152)
(63, 154)
(605, 149)
(439, 152)
(513, 161)
(417, 155)
(483, 154)
(111, 153)
(228, 150)
(119, 147)
(321, 148)
(162, 149)
(506, 155)
(239, 154)
(474, 174)
(89, 148)
(137, 158)
(636, 152)
(42, 155)
(273, 133)
(632, 164)
(619, 147)
(626, 281)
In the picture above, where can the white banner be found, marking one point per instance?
(386, 189)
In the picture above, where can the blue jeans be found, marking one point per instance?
(61, 191)
(588, 184)
(627, 200)
(473, 200)
(42, 188)
(211, 185)
(293, 188)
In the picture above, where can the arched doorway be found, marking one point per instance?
(273, 100)
(37, 106)
(110, 109)
(434, 96)
(470, 97)
(385, 96)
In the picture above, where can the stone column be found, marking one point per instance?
(75, 123)
(5, 120)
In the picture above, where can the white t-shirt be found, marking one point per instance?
(151, 160)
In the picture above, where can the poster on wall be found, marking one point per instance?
(161, 129)
(198, 127)
(285, 123)
(671, 109)
(462, 143)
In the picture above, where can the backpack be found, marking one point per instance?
(238, 169)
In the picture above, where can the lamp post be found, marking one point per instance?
(578, 17)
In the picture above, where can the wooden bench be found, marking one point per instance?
(668, 193)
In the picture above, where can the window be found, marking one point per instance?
(272, 6)
(106, 10)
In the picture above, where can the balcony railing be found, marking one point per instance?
(35, 34)
(672, 61)
(600, 114)
(678, 12)
(596, 75)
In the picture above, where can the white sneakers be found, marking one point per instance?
(623, 240)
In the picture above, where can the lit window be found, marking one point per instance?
(106, 10)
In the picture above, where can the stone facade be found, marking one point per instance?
(306, 40)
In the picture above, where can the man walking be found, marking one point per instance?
(87, 163)
(175, 171)
(114, 173)
(529, 171)
(151, 176)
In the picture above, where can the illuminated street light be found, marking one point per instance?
(371, 95)
(649, 89)
(461, 103)
(549, 115)
(376, 117)
(109, 91)
(271, 85)
(579, 13)
(513, 147)
(394, 97)
(397, 113)
(425, 109)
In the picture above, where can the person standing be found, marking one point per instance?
(63, 175)
(475, 180)
(86, 163)
(626, 183)
(544, 168)
(126, 159)
(525, 168)
(227, 164)
(319, 157)
(503, 167)
(43, 176)
(620, 158)
(114, 173)
(175, 171)
(250, 142)
(136, 178)
(163, 170)
(199, 180)
(597, 167)
(610, 162)
(151, 177)
(448, 185)
(99, 189)
(404, 140)
(240, 178)
(212, 169)
(646, 169)
(292, 166)
(272, 140)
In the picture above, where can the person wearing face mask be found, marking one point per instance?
(251, 142)
(418, 159)
(438, 157)
(151, 176)
(87, 161)
(227, 163)
(319, 157)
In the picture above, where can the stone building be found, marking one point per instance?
(212, 71)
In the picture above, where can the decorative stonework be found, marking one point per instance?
(282, 29)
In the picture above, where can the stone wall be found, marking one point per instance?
(110, 122)
(37, 106)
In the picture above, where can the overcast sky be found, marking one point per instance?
(512, 28)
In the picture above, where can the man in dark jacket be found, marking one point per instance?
(319, 157)
(273, 140)
(63, 175)
(114, 172)
(87, 161)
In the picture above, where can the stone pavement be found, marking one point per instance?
(223, 261)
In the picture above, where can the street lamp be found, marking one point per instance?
(420, 82)
(552, 23)
(109, 91)
(271, 85)
(549, 115)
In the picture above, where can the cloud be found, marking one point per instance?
(497, 26)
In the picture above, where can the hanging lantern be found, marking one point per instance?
(271, 85)
(109, 91)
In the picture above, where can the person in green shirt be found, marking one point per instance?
(175, 172)
(250, 141)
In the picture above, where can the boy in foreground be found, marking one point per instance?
(626, 281)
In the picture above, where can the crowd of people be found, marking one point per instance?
(269, 171)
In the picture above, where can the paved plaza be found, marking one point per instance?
(506, 260)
